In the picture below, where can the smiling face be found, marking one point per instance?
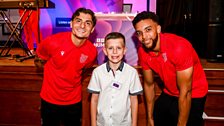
(114, 49)
(148, 33)
(82, 26)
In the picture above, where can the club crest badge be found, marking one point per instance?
(83, 58)
(164, 57)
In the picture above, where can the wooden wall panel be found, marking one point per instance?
(20, 101)
(214, 122)
(215, 104)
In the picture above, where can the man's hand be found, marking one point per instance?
(39, 63)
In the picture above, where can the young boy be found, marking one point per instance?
(114, 86)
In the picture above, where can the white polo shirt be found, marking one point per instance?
(114, 107)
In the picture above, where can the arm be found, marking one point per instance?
(184, 82)
(134, 109)
(93, 108)
(149, 92)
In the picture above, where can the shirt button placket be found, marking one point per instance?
(111, 107)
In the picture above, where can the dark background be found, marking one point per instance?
(199, 21)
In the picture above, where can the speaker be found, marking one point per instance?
(216, 11)
(215, 45)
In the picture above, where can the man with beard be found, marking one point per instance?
(66, 54)
(173, 58)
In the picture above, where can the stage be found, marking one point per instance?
(11, 60)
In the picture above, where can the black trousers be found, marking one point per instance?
(57, 115)
(166, 111)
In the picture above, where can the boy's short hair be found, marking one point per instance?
(85, 11)
(145, 15)
(115, 35)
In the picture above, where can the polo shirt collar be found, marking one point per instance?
(119, 68)
(163, 42)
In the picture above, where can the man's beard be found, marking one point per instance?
(154, 43)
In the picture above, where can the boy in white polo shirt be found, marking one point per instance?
(114, 86)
